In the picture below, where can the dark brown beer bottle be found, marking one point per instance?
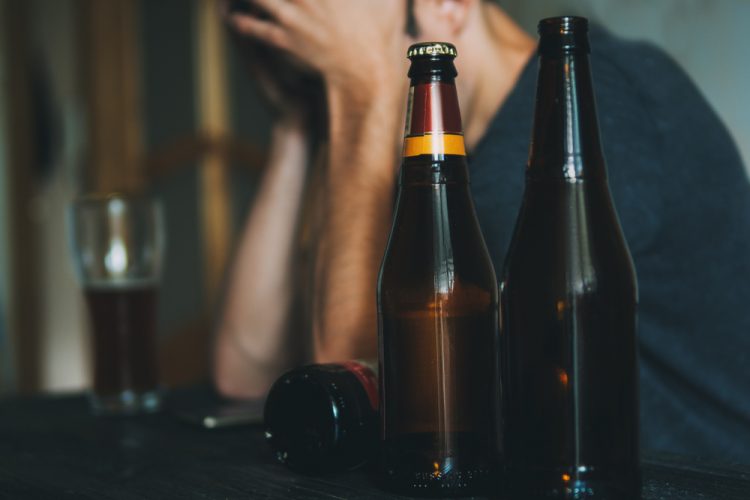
(323, 418)
(568, 300)
(437, 302)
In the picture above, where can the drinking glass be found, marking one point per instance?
(117, 243)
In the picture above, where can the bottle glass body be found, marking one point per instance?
(437, 311)
(568, 300)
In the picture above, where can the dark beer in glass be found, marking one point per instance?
(123, 323)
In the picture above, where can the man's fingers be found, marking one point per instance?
(265, 31)
(285, 12)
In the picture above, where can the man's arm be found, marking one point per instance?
(250, 350)
(358, 47)
(360, 185)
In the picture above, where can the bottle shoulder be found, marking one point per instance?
(568, 238)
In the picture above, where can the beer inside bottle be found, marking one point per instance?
(437, 302)
(568, 300)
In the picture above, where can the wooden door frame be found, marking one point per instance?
(23, 302)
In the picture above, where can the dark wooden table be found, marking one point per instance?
(52, 448)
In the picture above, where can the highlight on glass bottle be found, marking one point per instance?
(437, 303)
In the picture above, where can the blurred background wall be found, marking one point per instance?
(148, 94)
(117, 95)
(6, 357)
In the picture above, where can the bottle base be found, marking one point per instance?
(574, 483)
(434, 465)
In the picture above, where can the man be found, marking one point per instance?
(676, 178)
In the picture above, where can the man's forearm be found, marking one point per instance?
(250, 348)
(361, 179)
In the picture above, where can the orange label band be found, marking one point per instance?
(434, 144)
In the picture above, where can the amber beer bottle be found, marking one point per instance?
(437, 302)
(568, 299)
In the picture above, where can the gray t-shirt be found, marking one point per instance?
(683, 198)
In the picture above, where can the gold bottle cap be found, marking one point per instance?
(431, 49)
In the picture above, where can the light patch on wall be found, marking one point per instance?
(64, 356)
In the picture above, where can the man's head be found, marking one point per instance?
(437, 19)
(464, 23)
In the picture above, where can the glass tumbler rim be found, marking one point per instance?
(116, 238)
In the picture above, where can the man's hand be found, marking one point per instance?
(351, 43)
(291, 88)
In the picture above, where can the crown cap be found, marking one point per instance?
(431, 49)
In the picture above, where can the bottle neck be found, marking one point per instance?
(565, 139)
(433, 119)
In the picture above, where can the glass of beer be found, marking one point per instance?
(117, 243)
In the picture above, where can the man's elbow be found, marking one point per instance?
(235, 378)
(228, 385)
